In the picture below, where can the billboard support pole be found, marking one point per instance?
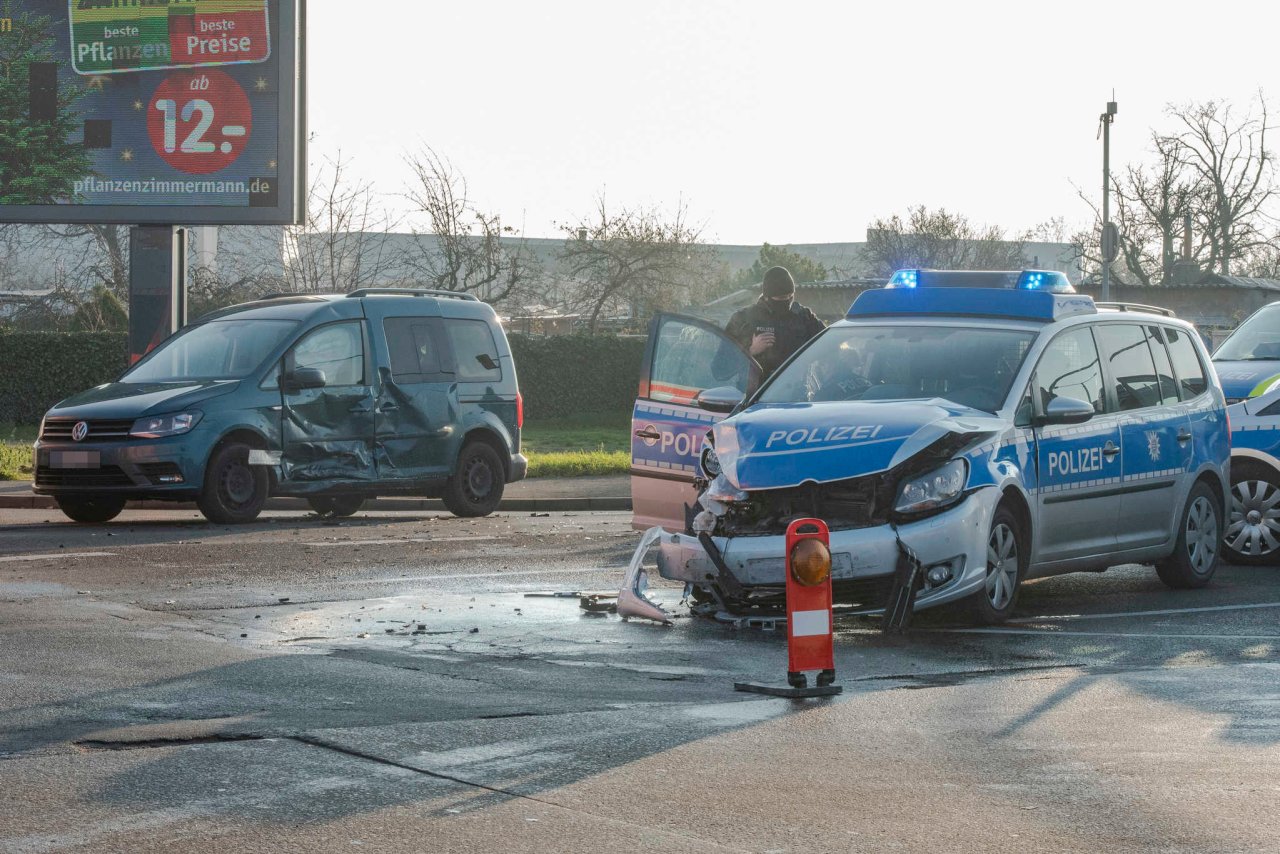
(157, 285)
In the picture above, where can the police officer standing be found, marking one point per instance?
(774, 326)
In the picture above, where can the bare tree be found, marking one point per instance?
(92, 255)
(634, 259)
(1264, 260)
(81, 272)
(941, 240)
(1229, 158)
(342, 245)
(1214, 168)
(1151, 202)
(465, 249)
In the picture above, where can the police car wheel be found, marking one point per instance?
(91, 511)
(233, 491)
(1006, 565)
(336, 505)
(476, 487)
(1252, 537)
(1195, 556)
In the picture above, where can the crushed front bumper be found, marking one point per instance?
(956, 538)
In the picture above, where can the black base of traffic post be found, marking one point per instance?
(793, 693)
(798, 686)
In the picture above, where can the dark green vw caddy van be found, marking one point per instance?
(334, 398)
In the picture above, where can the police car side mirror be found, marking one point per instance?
(719, 399)
(1067, 410)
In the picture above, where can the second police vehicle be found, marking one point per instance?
(1248, 365)
(993, 426)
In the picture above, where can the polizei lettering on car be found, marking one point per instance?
(822, 435)
(1078, 461)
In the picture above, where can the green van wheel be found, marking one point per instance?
(337, 505)
(234, 491)
(91, 511)
(476, 486)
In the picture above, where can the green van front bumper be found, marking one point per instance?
(171, 468)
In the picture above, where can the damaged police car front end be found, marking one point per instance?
(977, 437)
(890, 476)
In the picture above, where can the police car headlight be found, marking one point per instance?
(710, 463)
(938, 488)
(159, 426)
(721, 490)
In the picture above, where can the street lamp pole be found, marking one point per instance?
(1110, 247)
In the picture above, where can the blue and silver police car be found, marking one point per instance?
(1248, 362)
(993, 429)
(1248, 366)
(1252, 534)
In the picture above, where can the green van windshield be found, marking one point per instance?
(218, 350)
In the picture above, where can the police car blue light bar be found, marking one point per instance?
(904, 279)
(1045, 280)
(1026, 304)
(1050, 281)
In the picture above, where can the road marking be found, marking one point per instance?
(391, 542)
(1053, 633)
(1204, 610)
(506, 574)
(55, 556)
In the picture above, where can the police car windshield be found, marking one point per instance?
(1257, 339)
(219, 350)
(969, 366)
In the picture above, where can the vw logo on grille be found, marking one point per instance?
(79, 431)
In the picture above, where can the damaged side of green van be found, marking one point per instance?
(332, 398)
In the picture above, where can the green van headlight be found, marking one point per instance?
(159, 426)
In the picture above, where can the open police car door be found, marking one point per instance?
(685, 357)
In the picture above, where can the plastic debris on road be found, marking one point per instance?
(632, 599)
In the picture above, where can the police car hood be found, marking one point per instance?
(775, 446)
(1241, 379)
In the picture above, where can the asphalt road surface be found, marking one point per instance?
(385, 684)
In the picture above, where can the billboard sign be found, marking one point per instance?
(185, 112)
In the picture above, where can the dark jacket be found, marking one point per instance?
(790, 330)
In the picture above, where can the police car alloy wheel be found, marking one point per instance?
(1195, 555)
(1002, 566)
(1006, 564)
(1253, 521)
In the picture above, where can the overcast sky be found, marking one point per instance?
(781, 122)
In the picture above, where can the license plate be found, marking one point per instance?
(75, 459)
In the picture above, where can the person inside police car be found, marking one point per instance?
(775, 325)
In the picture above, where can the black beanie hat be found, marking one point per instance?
(778, 282)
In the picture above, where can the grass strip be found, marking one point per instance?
(15, 461)
(578, 463)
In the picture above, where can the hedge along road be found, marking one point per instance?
(269, 686)
(560, 377)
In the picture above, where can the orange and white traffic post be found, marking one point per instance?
(810, 626)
